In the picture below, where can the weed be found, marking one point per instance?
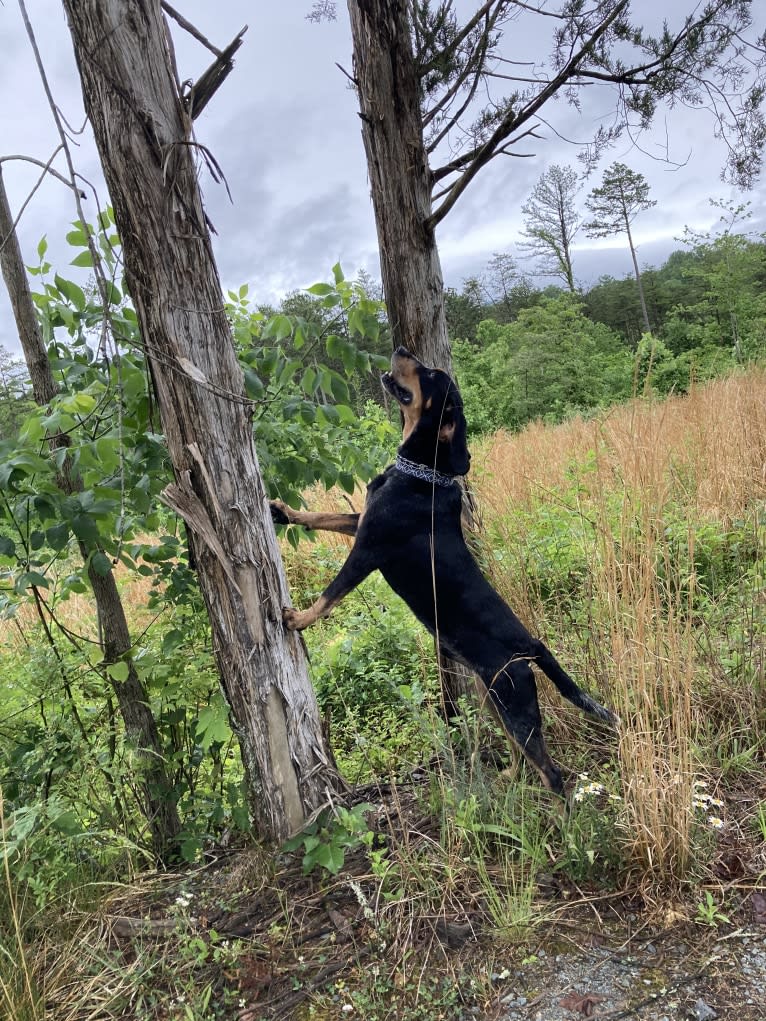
(327, 839)
(708, 913)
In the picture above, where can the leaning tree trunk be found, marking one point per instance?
(639, 281)
(636, 271)
(158, 803)
(388, 88)
(147, 152)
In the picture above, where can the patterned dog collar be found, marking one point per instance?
(419, 471)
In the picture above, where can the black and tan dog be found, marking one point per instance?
(410, 530)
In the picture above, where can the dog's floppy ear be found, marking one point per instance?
(453, 443)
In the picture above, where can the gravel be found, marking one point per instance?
(704, 976)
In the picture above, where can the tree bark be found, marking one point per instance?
(636, 271)
(641, 298)
(158, 804)
(387, 86)
(144, 141)
(400, 177)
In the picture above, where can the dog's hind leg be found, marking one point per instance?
(514, 693)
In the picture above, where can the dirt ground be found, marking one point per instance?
(310, 948)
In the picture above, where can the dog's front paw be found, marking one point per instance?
(296, 620)
(280, 512)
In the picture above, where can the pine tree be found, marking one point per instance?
(623, 194)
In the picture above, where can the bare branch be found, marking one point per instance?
(350, 77)
(98, 271)
(513, 120)
(202, 91)
(47, 169)
(188, 27)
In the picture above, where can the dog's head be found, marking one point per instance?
(432, 408)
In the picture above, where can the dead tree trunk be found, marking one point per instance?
(158, 804)
(147, 152)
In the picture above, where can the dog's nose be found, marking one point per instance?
(402, 352)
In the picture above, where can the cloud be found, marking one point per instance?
(285, 131)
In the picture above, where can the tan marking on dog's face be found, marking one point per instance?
(447, 432)
(405, 372)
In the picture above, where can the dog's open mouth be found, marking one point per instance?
(397, 391)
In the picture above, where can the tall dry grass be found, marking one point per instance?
(617, 481)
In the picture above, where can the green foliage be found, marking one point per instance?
(709, 913)
(727, 309)
(310, 424)
(15, 403)
(549, 363)
(66, 752)
(327, 839)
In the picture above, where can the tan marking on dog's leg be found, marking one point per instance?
(298, 620)
(346, 524)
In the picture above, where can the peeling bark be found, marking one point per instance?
(143, 135)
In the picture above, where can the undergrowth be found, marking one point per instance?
(633, 544)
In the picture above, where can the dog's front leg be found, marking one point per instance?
(358, 566)
(346, 524)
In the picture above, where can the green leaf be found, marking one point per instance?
(101, 563)
(95, 655)
(85, 528)
(253, 385)
(337, 273)
(106, 448)
(7, 546)
(320, 290)
(29, 579)
(83, 259)
(77, 238)
(331, 857)
(57, 536)
(278, 327)
(190, 848)
(42, 247)
(212, 726)
(118, 671)
(71, 292)
(67, 822)
(172, 640)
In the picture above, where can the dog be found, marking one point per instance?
(410, 530)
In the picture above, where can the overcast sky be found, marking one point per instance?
(285, 131)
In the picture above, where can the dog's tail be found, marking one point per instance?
(550, 666)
